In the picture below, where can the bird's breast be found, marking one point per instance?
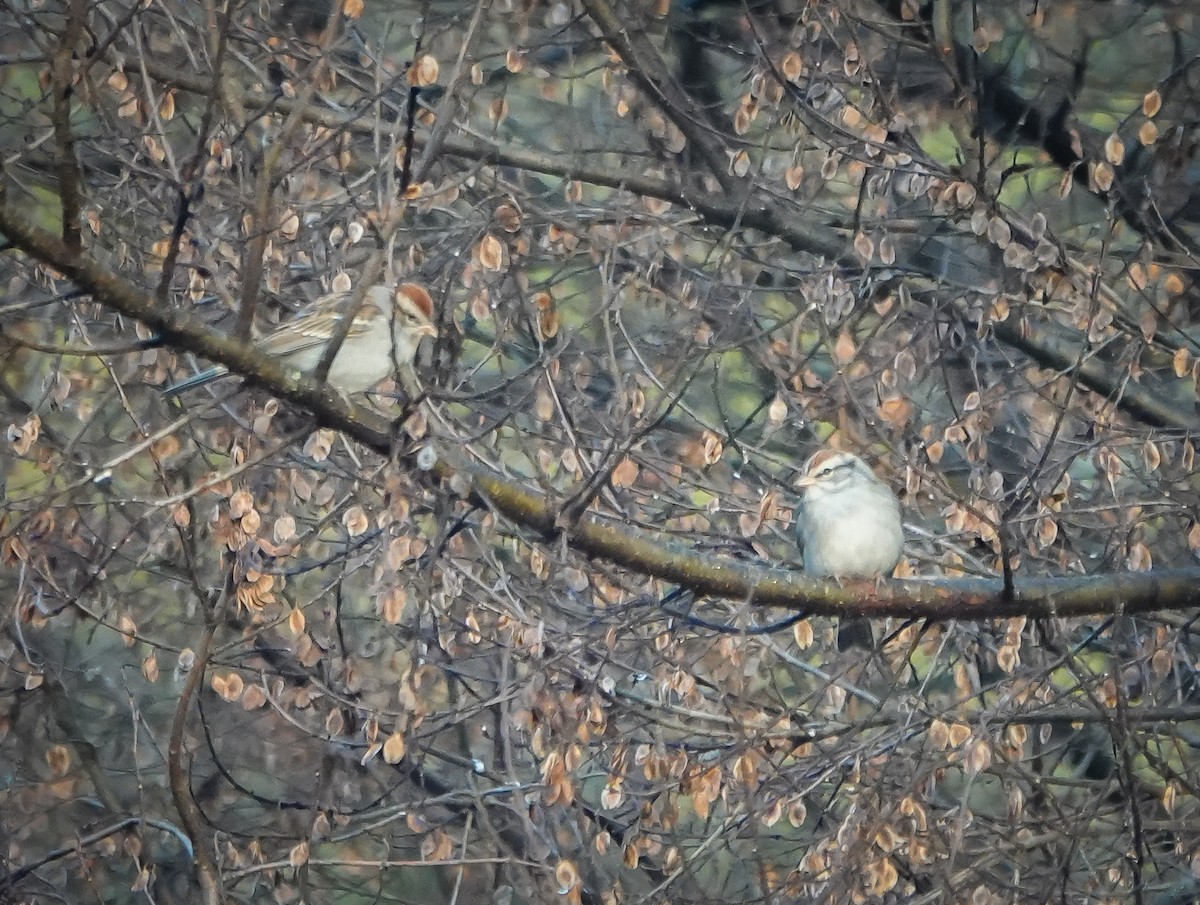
(857, 542)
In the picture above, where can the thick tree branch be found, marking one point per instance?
(596, 537)
(65, 165)
(1054, 346)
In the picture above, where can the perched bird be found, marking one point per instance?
(369, 353)
(849, 523)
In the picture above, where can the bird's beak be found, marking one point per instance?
(426, 330)
(805, 481)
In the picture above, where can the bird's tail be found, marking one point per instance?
(855, 631)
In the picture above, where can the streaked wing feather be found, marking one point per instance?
(315, 329)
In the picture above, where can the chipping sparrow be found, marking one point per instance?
(849, 524)
(370, 351)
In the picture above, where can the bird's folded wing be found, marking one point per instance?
(316, 329)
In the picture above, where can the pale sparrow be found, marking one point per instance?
(369, 353)
(849, 523)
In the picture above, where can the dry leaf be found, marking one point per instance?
(1100, 176)
(490, 253)
(896, 411)
(1114, 150)
(393, 748)
(625, 473)
(792, 66)
(864, 247)
(355, 521)
(298, 856)
(423, 72)
(567, 877)
(714, 447)
(1179, 362)
(389, 606)
(844, 348)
